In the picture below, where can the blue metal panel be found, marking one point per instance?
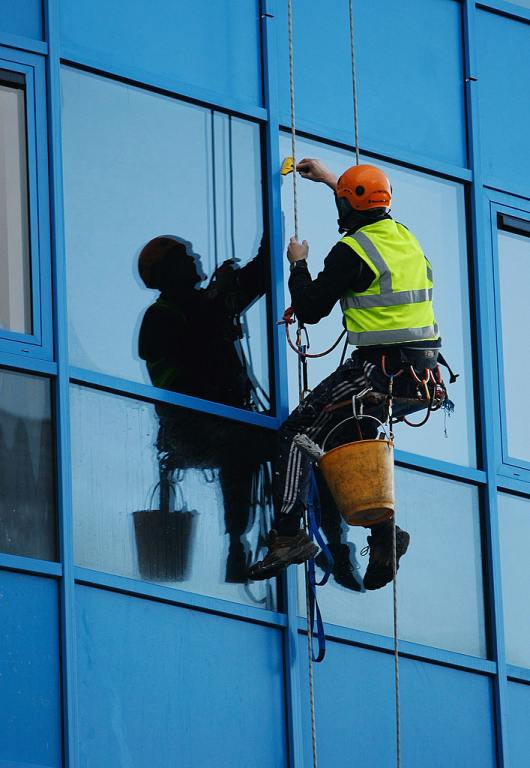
(160, 684)
(445, 713)
(519, 734)
(411, 94)
(30, 726)
(211, 46)
(24, 17)
(504, 63)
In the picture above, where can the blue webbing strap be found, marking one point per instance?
(313, 521)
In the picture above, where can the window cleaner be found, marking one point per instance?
(384, 283)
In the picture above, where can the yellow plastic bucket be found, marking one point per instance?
(360, 477)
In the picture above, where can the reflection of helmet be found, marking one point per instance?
(365, 187)
(153, 253)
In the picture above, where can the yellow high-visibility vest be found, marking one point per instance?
(397, 306)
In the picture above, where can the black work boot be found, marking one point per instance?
(343, 570)
(380, 569)
(283, 550)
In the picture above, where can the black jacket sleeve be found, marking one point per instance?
(343, 270)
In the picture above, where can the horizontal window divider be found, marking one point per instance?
(342, 140)
(25, 363)
(408, 649)
(507, 202)
(507, 188)
(515, 485)
(515, 467)
(166, 86)
(518, 674)
(178, 597)
(505, 9)
(23, 43)
(438, 467)
(152, 394)
(30, 565)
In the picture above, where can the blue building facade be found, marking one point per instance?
(128, 510)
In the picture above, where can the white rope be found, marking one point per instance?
(301, 377)
(396, 649)
(310, 658)
(293, 120)
(354, 84)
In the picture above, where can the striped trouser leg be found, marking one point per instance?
(293, 465)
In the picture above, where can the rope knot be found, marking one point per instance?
(287, 318)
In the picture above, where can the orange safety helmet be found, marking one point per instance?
(364, 187)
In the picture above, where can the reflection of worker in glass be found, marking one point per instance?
(384, 282)
(189, 336)
(188, 339)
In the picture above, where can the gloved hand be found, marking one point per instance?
(315, 170)
(297, 251)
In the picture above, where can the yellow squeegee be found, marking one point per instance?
(287, 166)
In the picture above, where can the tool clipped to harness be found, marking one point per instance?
(288, 319)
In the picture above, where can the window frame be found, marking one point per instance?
(515, 208)
(38, 343)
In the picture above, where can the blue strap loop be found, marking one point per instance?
(313, 520)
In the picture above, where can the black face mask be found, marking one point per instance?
(350, 219)
(345, 212)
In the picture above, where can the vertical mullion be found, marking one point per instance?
(68, 634)
(272, 132)
(487, 373)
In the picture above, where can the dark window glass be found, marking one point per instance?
(27, 499)
(514, 535)
(170, 495)
(514, 278)
(15, 268)
(189, 312)
(440, 577)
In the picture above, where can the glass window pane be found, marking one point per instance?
(170, 495)
(514, 278)
(27, 497)
(434, 209)
(15, 267)
(440, 577)
(154, 166)
(514, 535)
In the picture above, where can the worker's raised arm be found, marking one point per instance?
(312, 169)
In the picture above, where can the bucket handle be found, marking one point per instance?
(349, 418)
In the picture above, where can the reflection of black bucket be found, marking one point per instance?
(163, 542)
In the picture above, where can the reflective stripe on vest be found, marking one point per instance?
(397, 306)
